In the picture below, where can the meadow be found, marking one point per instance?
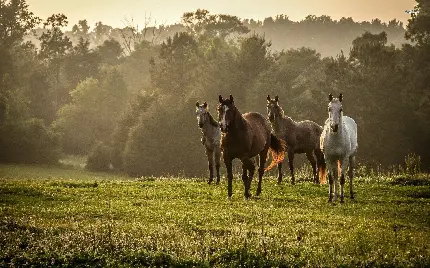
(58, 217)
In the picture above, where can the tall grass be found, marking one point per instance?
(52, 217)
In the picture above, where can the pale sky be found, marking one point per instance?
(114, 12)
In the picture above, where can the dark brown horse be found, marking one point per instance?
(300, 137)
(244, 137)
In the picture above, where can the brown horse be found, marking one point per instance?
(244, 137)
(300, 137)
(211, 138)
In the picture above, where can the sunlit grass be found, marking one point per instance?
(53, 217)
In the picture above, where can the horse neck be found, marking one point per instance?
(239, 123)
(283, 124)
(209, 126)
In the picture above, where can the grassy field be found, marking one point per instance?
(57, 217)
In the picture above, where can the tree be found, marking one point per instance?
(53, 43)
(110, 52)
(81, 63)
(81, 29)
(200, 22)
(173, 72)
(92, 115)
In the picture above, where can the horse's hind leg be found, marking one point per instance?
(311, 159)
(217, 163)
(263, 157)
(280, 173)
(351, 174)
(247, 167)
(245, 179)
(210, 155)
(330, 189)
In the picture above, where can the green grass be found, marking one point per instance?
(57, 217)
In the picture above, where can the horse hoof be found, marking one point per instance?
(229, 198)
(217, 182)
(342, 201)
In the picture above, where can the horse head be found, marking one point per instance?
(335, 111)
(202, 113)
(226, 113)
(273, 108)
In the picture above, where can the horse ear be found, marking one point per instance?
(276, 98)
(340, 97)
(220, 99)
(197, 104)
(205, 105)
(231, 98)
(330, 97)
(268, 98)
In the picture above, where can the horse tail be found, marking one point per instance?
(322, 166)
(278, 148)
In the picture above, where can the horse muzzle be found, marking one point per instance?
(334, 128)
(200, 125)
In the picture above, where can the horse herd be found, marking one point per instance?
(249, 136)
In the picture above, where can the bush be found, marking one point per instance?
(28, 141)
(100, 158)
(165, 141)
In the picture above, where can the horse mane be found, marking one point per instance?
(212, 121)
(241, 122)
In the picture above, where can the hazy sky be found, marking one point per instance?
(114, 12)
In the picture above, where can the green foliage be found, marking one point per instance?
(100, 158)
(53, 43)
(163, 141)
(92, 116)
(93, 219)
(201, 22)
(28, 141)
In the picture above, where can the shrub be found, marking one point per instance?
(100, 158)
(28, 141)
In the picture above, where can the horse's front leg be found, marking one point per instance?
(351, 174)
(217, 163)
(335, 175)
(210, 155)
(263, 157)
(229, 166)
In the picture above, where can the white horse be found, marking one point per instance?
(211, 139)
(339, 143)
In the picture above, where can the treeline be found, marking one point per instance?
(322, 33)
(131, 108)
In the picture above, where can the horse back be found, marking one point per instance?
(307, 135)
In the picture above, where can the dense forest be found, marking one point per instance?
(126, 97)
